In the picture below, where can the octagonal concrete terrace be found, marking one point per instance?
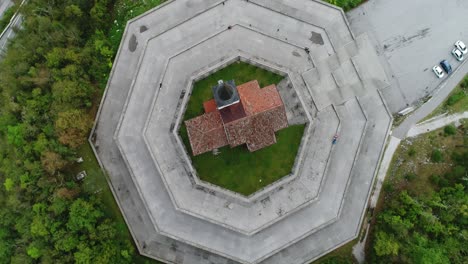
(335, 79)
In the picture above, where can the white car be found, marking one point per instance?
(458, 54)
(438, 71)
(461, 46)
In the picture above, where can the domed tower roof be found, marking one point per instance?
(225, 94)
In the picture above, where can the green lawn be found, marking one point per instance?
(341, 255)
(237, 169)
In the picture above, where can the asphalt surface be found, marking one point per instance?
(4, 5)
(442, 92)
(9, 32)
(411, 37)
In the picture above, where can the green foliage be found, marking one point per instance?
(124, 11)
(425, 229)
(455, 98)
(457, 102)
(8, 184)
(72, 127)
(83, 216)
(386, 245)
(16, 135)
(437, 156)
(336, 260)
(34, 252)
(450, 130)
(411, 152)
(50, 76)
(410, 176)
(7, 16)
(345, 4)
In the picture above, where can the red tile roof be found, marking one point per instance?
(253, 121)
(210, 106)
(206, 132)
(232, 112)
(256, 100)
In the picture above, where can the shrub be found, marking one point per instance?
(450, 130)
(437, 156)
(388, 187)
(410, 176)
(455, 98)
(411, 152)
(464, 83)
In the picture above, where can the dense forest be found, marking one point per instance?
(51, 81)
(424, 214)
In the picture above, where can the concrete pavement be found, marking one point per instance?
(153, 182)
(411, 37)
(435, 123)
(438, 98)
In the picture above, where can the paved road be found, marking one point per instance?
(436, 123)
(9, 33)
(443, 91)
(411, 37)
(4, 5)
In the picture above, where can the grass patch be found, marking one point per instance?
(238, 169)
(245, 172)
(346, 4)
(342, 255)
(456, 102)
(419, 159)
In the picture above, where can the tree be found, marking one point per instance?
(52, 162)
(83, 216)
(8, 184)
(15, 135)
(72, 127)
(34, 252)
(437, 156)
(386, 245)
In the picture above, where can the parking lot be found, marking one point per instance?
(411, 37)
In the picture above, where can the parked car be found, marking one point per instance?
(457, 54)
(461, 46)
(438, 71)
(446, 66)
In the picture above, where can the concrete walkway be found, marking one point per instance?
(393, 143)
(435, 123)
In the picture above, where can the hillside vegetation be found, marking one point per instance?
(51, 80)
